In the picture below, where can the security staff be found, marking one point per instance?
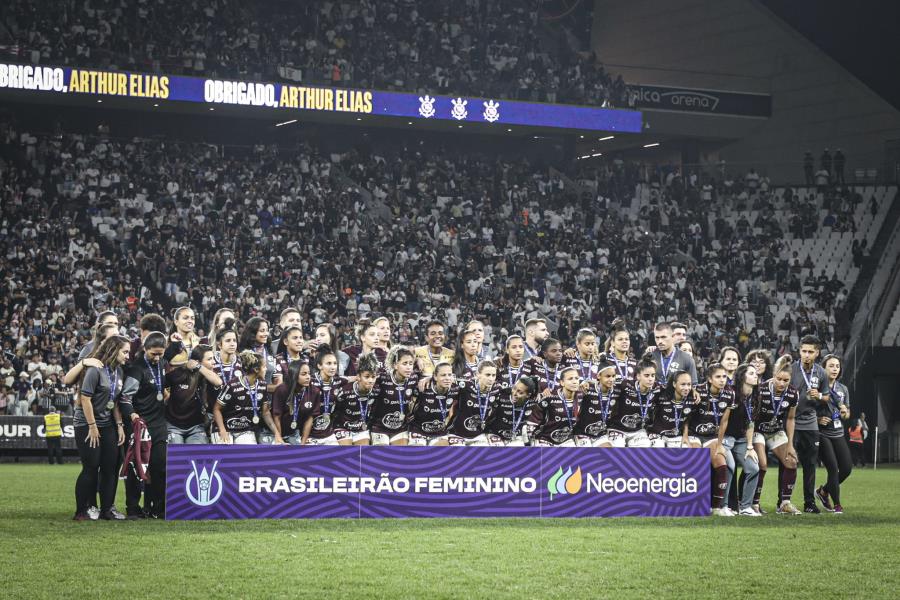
(53, 435)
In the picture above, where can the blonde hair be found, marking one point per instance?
(783, 363)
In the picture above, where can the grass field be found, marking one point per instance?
(45, 554)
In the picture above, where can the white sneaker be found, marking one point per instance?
(723, 512)
(94, 513)
(749, 512)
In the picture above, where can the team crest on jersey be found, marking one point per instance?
(472, 423)
(631, 421)
(432, 426)
(393, 420)
(784, 404)
(595, 429)
(560, 435)
(462, 384)
(722, 404)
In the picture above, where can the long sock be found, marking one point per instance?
(788, 478)
(759, 484)
(720, 482)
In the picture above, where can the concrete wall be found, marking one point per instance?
(739, 45)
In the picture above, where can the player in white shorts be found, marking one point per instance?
(634, 408)
(668, 429)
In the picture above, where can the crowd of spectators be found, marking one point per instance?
(92, 222)
(491, 49)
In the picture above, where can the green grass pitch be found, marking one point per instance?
(46, 555)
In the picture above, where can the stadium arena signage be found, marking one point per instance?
(742, 104)
(67, 81)
(28, 433)
(235, 482)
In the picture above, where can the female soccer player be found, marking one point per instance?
(687, 346)
(673, 408)
(513, 364)
(833, 449)
(328, 387)
(739, 436)
(383, 324)
(634, 410)
(706, 429)
(351, 414)
(433, 407)
(326, 334)
(473, 406)
(617, 350)
(729, 358)
(554, 415)
(183, 329)
(367, 333)
(294, 404)
(219, 321)
(192, 388)
(546, 366)
(226, 359)
(255, 338)
(597, 405)
(237, 412)
(465, 357)
(395, 389)
(505, 426)
(775, 433)
(477, 327)
(99, 430)
(293, 349)
(584, 356)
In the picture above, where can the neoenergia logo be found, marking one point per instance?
(203, 488)
(564, 482)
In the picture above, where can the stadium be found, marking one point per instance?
(559, 298)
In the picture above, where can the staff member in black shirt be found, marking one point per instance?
(143, 396)
(98, 430)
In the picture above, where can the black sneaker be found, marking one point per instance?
(112, 515)
(811, 508)
(823, 497)
(134, 515)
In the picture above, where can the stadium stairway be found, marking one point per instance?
(891, 335)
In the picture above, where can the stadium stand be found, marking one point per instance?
(427, 47)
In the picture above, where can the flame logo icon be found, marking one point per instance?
(564, 482)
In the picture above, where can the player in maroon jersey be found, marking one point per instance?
(509, 412)
(546, 367)
(367, 333)
(617, 350)
(238, 409)
(774, 432)
(394, 391)
(433, 407)
(706, 428)
(465, 357)
(673, 407)
(351, 413)
(328, 386)
(292, 345)
(513, 364)
(634, 409)
(599, 399)
(553, 418)
(294, 405)
(584, 355)
(472, 406)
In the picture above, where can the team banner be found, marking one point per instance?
(217, 92)
(27, 433)
(312, 482)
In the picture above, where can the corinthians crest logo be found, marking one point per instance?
(203, 488)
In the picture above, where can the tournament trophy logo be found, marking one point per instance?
(203, 488)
